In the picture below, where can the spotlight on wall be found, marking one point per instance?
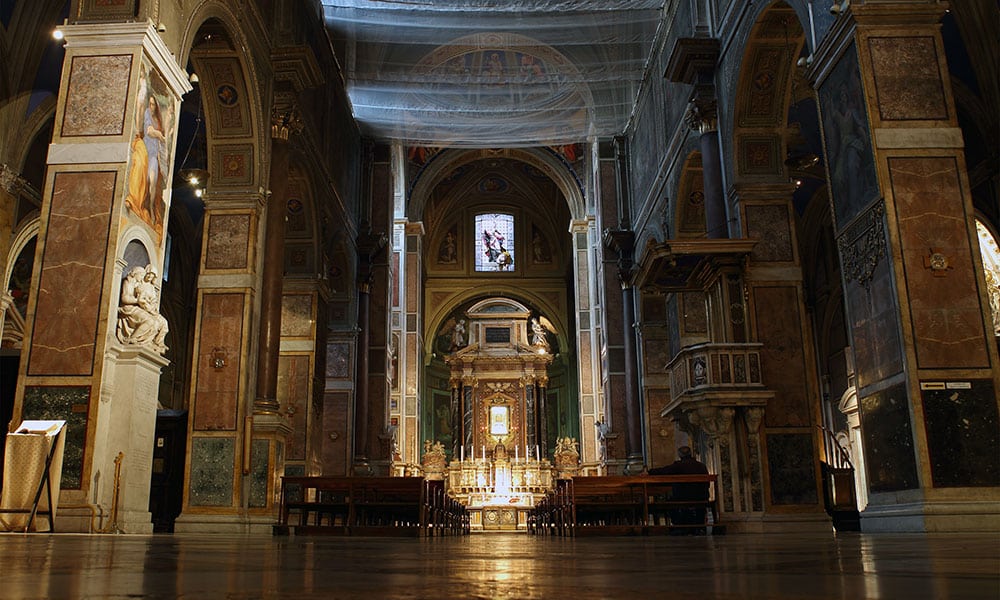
(193, 78)
(57, 34)
(161, 27)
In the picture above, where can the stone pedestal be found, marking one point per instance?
(126, 421)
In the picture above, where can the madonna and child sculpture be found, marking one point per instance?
(139, 320)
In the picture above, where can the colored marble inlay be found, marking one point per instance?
(944, 299)
(70, 404)
(907, 78)
(887, 439)
(96, 95)
(791, 468)
(217, 387)
(779, 328)
(212, 462)
(71, 281)
(228, 241)
(297, 315)
(293, 397)
(259, 454)
(963, 433)
(338, 360)
(769, 225)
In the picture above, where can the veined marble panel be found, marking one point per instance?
(217, 387)
(64, 403)
(940, 273)
(293, 397)
(228, 241)
(71, 281)
(96, 95)
(212, 461)
(779, 328)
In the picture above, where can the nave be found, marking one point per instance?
(507, 565)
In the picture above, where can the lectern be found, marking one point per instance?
(32, 470)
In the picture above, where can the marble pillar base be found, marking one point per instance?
(976, 516)
(776, 523)
(231, 524)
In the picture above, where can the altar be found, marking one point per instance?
(498, 465)
(499, 493)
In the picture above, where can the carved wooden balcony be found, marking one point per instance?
(717, 375)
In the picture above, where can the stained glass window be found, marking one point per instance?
(494, 242)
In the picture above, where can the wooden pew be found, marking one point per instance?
(627, 505)
(368, 506)
(322, 505)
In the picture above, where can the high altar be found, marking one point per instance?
(498, 467)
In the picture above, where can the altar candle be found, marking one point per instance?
(537, 456)
(516, 452)
(462, 454)
(484, 451)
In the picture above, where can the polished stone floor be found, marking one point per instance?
(508, 566)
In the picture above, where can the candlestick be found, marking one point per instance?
(462, 454)
(484, 451)
(537, 455)
(516, 452)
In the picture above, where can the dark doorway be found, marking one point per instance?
(166, 490)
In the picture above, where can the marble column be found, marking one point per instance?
(702, 118)
(273, 271)
(692, 61)
(370, 244)
(623, 242)
(925, 356)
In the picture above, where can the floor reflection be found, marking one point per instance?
(501, 566)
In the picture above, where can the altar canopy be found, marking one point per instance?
(494, 73)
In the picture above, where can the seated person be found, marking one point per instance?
(686, 464)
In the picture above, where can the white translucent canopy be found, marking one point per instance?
(493, 73)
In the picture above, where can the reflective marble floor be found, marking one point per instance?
(508, 566)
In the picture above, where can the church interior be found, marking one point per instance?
(498, 245)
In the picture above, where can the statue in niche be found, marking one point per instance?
(458, 335)
(139, 319)
(448, 253)
(538, 334)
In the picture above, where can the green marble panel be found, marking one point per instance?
(258, 473)
(212, 461)
(963, 433)
(791, 467)
(68, 404)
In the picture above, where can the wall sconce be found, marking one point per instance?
(218, 357)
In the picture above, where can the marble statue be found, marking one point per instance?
(139, 320)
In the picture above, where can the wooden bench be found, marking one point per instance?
(366, 506)
(628, 505)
